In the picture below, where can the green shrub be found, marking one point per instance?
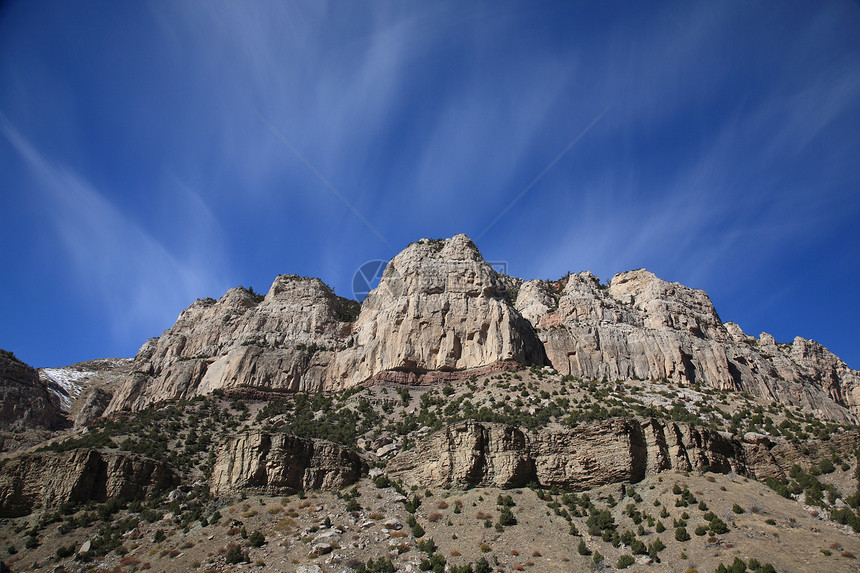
(681, 534)
(506, 517)
(583, 548)
(718, 526)
(256, 539)
(417, 531)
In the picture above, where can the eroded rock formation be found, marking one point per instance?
(439, 308)
(94, 405)
(25, 401)
(441, 313)
(474, 454)
(641, 327)
(44, 480)
(283, 342)
(275, 464)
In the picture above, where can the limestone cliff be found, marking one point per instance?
(44, 480)
(441, 312)
(640, 326)
(481, 454)
(438, 307)
(283, 342)
(275, 464)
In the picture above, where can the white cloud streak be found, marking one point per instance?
(115, 263)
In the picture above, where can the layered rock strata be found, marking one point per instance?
(44, 480)
(474, 454)
(276, 464)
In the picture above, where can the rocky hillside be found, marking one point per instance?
(499, 471)
(85, 388)
(25, 401)
(442, 313)
(457, 421)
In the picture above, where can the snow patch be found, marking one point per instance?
(66, 383)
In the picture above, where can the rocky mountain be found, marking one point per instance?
(641, 327)
(440, 312)
(457, 420)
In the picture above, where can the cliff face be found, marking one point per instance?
(475, 454)
(276, 464)
(283, 342)
(440, 313)
(438, 307)
(640, 326)
(25, 401)
(620, 450)
(44, 480)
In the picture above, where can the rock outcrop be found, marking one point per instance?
(73, 383)
(441, 312)
(44, 480)
(282, 342)
(93, 407)
(438, 307)
(25, 401)
(619, 450)
(275, 464)
(641, 327)
(474, 454)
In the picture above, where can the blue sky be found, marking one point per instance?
(153, 153)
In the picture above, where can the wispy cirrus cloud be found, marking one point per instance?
(118, 265)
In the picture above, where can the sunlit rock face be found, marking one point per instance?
(641, 327)
(438, 308)
(282, 342)
(441, 313)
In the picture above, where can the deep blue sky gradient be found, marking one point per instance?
(139, 171)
